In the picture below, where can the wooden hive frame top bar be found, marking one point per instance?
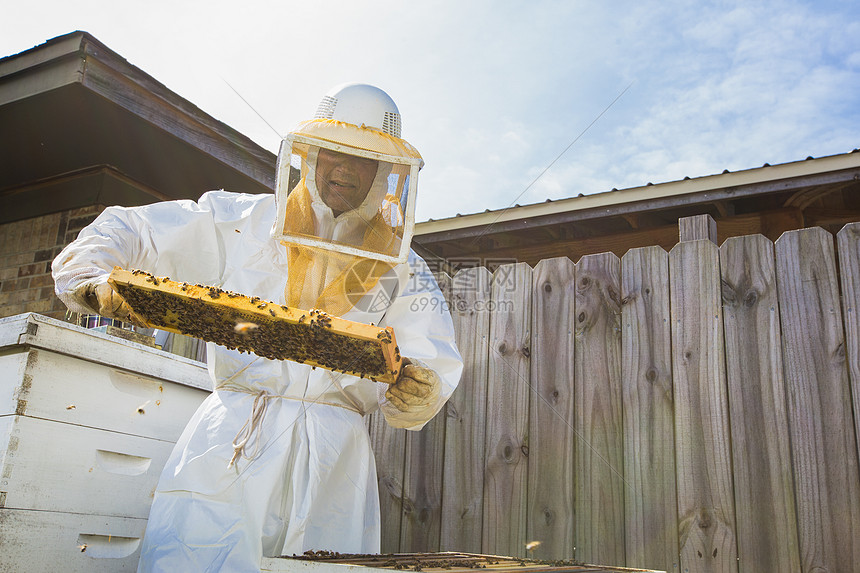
(443, 562)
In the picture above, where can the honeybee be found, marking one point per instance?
(245, 327)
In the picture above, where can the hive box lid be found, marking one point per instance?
(39, 331)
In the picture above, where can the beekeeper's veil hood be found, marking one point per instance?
(346, 187)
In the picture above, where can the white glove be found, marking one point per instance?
(416, 388)
(105, 301)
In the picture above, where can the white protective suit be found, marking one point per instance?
(310, 482)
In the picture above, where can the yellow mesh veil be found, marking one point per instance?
(324, 279)
(335, 259)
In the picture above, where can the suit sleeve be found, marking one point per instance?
(166, 239)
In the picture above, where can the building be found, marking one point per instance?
(82, 129)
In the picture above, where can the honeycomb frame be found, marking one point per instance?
(265, 328)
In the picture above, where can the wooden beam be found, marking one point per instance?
(769, 223)
(632, 219)
(816, 217)
(806, 197)
(725, 208)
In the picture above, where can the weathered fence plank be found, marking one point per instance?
(824, 450)
(764, 489)
(599, 449)
(849, 264)
(649, 427)
(466, 415)
(389, 448)
(551, 436)
(420, 526)
(703, 457)
(505, 477)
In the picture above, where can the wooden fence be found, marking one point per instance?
(681, 411)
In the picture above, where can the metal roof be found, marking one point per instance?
(709, 188)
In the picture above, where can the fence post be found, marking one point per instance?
(698, 227)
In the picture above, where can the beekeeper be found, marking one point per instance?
(277, 459)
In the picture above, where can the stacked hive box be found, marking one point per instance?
(86, 423)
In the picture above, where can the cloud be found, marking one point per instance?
(752, 85)
(493, 91)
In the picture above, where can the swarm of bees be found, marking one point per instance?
(268, 329)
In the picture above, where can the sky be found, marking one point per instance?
(508, 102)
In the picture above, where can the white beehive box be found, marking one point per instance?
(87, 421)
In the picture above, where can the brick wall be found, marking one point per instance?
(27, 248)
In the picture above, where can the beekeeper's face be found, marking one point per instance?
(342, 180)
